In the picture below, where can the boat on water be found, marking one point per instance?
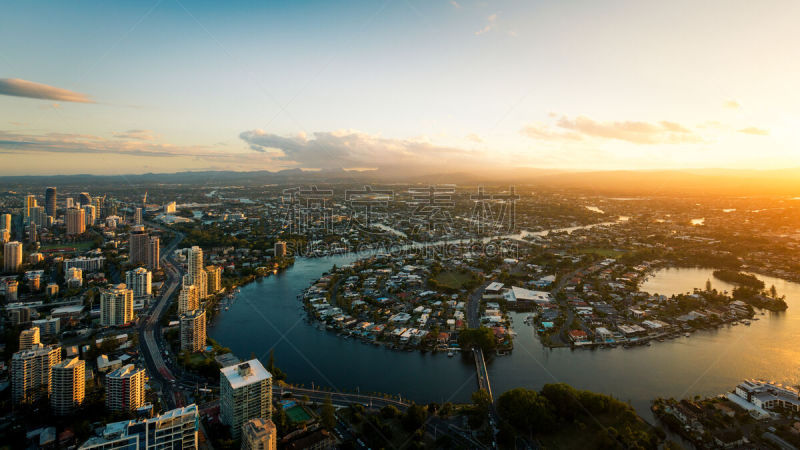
(450, 354)
(746, 322)
(686, 334)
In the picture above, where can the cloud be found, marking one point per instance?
(455, 4)
(345, 149)
(636, 132)
(475, 138)
(23, 88)
(139, 135)
(11, 142)
(755, 131)
(732, 104)
(491, 23)
(545, 132)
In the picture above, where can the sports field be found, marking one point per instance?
(297, 414)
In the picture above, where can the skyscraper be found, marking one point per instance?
(140, 282)
(137, 216)
(84, 198)
(197, 275)
(138, 243)
(29, 338)
(245, 393)
(31, 373)
(187, 298)
(116, 306)
(37, 215)
(213, 279)
(50, 201)
(33, 232)
(280, 249)
(12, 256)
(99, 206)
(259, 434)
(154, 253)
(125, 388)
(5, 222)
(69, 386)
(193, 330)
(30, 202)
(90, 214)
(5, 235)
(76, 221)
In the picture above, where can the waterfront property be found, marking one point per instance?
(763, 398)
(245, 393)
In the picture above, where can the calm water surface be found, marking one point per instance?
(267, 314)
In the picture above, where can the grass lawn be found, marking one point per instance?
(297, 414)
(453, 279)
(80, 246)
(197, 358)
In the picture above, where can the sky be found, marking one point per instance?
(427, 86)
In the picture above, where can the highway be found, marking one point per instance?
(150, 327)
(434, 425)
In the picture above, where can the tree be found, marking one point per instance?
(389, 412)
(446, 410)
(482, 337)
(481, 400)
(328, 413)
(414, 418)
(525, 409)
(564, 400)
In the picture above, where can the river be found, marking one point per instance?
(267, 315)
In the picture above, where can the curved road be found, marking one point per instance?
(150, 327)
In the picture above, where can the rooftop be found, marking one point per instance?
(245, 373)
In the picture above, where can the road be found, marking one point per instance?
(563, 333)
(473, 306)
(150, 327)
(474, 321)
(434, 425)
(160, 373)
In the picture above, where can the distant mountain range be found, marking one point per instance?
(627, 182)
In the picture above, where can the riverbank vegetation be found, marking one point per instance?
(560, 416)
(477, 337)
(740, 278)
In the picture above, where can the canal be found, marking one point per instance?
(268, 315)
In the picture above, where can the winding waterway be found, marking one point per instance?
(267, 315)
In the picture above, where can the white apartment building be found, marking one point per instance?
(245, 393)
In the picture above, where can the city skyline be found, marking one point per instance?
(171, 86)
